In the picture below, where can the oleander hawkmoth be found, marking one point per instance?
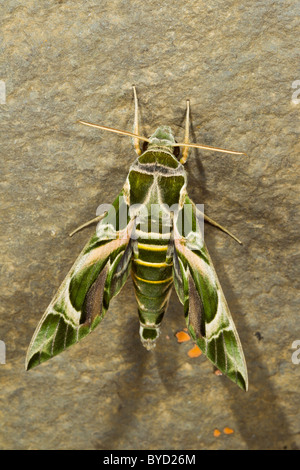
(152, 232)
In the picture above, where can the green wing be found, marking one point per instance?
(206, 311)
(81, 302)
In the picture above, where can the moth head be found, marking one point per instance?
(163, 137)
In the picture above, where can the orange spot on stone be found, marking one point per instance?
(195, 351)
(217, 433)
(182, 337)
(228, 430)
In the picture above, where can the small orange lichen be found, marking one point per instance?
(218, 372)
(228, 430)
(182, 337)
(195, 351)
(217, 433)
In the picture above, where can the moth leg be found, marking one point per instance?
(185, 151)
(136, 123)
(213, 222)
(96, 219)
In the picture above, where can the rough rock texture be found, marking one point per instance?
(236, 61)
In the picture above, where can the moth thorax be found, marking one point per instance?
(149, 335)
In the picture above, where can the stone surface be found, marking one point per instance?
(236, 61)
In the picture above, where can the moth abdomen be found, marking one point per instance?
(153, 281)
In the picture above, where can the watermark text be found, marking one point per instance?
(2, 92)
(150, 221)
(295, 99)
(296, 354)
(2, 352)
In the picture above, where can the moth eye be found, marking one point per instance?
(145, 146)
(176, 151)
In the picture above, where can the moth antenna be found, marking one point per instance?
(116, 131)
(136, 122)
(185, 151)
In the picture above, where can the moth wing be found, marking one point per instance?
(82, 300)
(206, 311)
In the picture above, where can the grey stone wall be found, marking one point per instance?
(236, 61)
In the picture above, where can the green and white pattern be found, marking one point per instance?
(143, 234)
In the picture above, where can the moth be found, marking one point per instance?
(152, 232)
